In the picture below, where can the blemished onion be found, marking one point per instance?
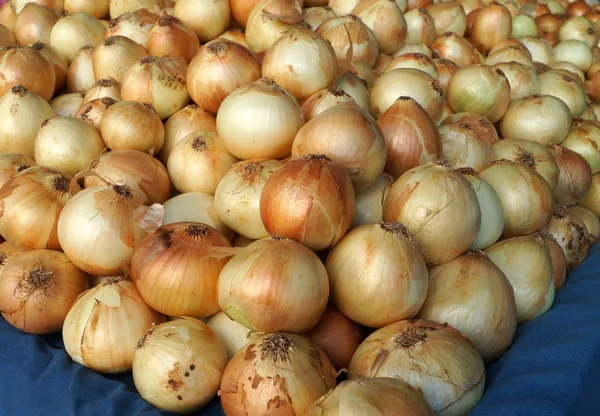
(480, 89)
(237, 196)
(584, 138)
(119, 7)
(461, 293)
(59, 63)
(67, 105)
(527, 264)
(56, 5)
(527, 199)
(170, 37)
(67, 144)
(592, 223)
(309, 199)
(37, 290)
(207, 18)
(571, 234)
(369, 201)
(412, 348)
(269, 19)
(478, 123)
(347, 135)
(233, 335)
(492, 24)
(176, 268)
(559, 261)
(259, 120)
(540, 51)
(382, 265)
(433, 200)
(457, 49)
(376, 396)
(115, 55)
(218, 69)
(566, 87)
(8, 252)
(532, 154)
(337, 336)
(22, 113)
(545, 119)
(355, 88)
(315, 16)
(235, 35)
(387, 22)
(240, 10)
(137, 169)
(135, 25)
(523, 79)
(159, 82)
(274, 284)
(199, 162)
(492, 214)
(8, 17)
(73, 32)
(104, 88)
(103, 327)
(34, 24)
(574, 51)
(463, 147)
(420, 26)
(26, 66)
(98, 9)
(579, 28)
(574, 175)
(133, 125)
(413, 83)
(31, 202)
(92, 112)
(416, 61)
(295, 361)
(323, 100)
(446, 70)
(177, 366)
(448, 17)
(80, 76)
(11, 164)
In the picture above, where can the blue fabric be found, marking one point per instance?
(551, 369)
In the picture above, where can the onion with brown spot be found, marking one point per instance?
(572, 235)
(592, 223)
(480, 125)
(93, 111)
(575, 175)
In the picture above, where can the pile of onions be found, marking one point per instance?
(584, 139)
(103, 327)
(177, 365)
(559, 261)
(461, 293)
(463, 147)
(369, 201)
(233, 335)
(433, 200)
(26, 66)
(324, 99)
(135, 25)
(571, 233)
(93, 111)
(268, 20)
(34, 24)
(37, 290)
(279, 369)
(274, 284)
(115, 55)
(11, 164)
(74, 31)
(170, 37)
(386, 20)
(591, 200)
(378, 274)
(407, 350)
(208, 18)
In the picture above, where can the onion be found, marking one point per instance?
(463, 147)
(117, 8)
(343, 7)
(584, 138)
(315, 16)
(143, 173)
(480, 125)
(550, 23)
(542, 118)
(448, 17)
(219, 68)
(240, 10)
(56, 5)
(559, 261)
(98, 9)
(198, 162)
(259, 120)
(170, 37)
(93, 111)
(22, 113)
(550, 38)
(304, 373)
(115, 55)
(37, 290)
(237, 197)
(591, 200)
(23, 65)
(309, 199)
(492, 23)
(66, 105)
(383, 263)
(579, 28)
(8, 17)
(540, 51)
(237, 36)
(233, 335)
(323, 100)
(575, 175)
(73, 32)
(480, 89)
(208, 18)
(457, 49)
(420, 26)
(355, 88)
(59, 63)
(274, 284)
(376, 396)
(589, 114)
(10, 165)
(571, 233)
(270, 19)
(523, 79)
(8, 252)
(132, 125)
(104, 325)
(574, 51)
(523, 25)
(104, 88)
(34, 24)
(407, 350)
(591, 221)
(446, 70)
(80, 76)
(577, 8)
(386, 20)
(566, 87)
(135, 25)
(369, 201)
(241, 241)
(510, 54)
(434, 200)
(416, 61)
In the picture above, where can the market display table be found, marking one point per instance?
(552, 368)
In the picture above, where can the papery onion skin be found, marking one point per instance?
(11, 164)
(170, 37)
(241, 9)
(387, 22)
(566, 87)
(115, 55)
(59, 63)
(233, 335)
(448, 17)
(73, 32)
(322, 100)
(574, 178)
(207, 18)
(478, 123)
(7, 253)
(92, 112)
(571, 234)
(591, 200)
(135, 25)
(26, 66)
(523, 79)
(463, 147)
(315, 16)
(369, 201)
(355, 87)
(584, 138)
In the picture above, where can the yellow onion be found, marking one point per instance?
(7, 253)
(378, 274)
(309, 199)
(135, 25)
(376, 396)
(369, 201)
(540, 51)
(579, 28)
(584, 138)
(470, 5)
(259, 120)
(445, 69)
(187, 120)
(532, 154)
(408, 350)
(233, 335)
(416, 61)
(37, 290)
(559, 261)
(34, 24)
(491, 24)
(237, 196)
(104, 88)
(218, 69)
(170, 37)
(566, 87)
(11, 164)
(337, 336)
(30, 204)
(208, 18)
(480, 125)
(235, 35)
(137, 169)
(67, 105)
(56, 5)
(22, 113)
(26, 66)
(523, 79)
(98, 9)
(119, 7)
(363, 71)
(414, 48)
(534, 9)
(542, 118)
(342, 7)
(550, 23)
(132, 125)
(240, 10)
(386, 20)
(92, 112)
(591, 221)
(523, 25)
(274, 284)
(457, 49)
(433, 200)
(177, 366)
(574, 177)
(303, 371)
(511, 44)
(574, 51)
(269, 19)
(176, 268)
(448, 17)
(510, 54)
(355, 87)
(589, 114)
(323, 100)
(73, 32)
(198, 162)
(420, 26)
(80, 76)
(103, 327)
(315, 16)
(8, 17)
(59, 63)
(463, 147)
(115, 55)
(413, 83)
(571, 234)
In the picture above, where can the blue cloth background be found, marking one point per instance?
(552, 367)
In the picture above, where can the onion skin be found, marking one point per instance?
(591, 200)
(592, 223)
(115, 55)
(356, 88)
(574, 177)
(571, 234)
(322, 100)
(23, 65)
(463, 147)
(8, 252)
(11, 164)
(387, 22)
(233, 335)
(170, 37)
(584, 138)
(478, 123)
(492, 23)
(135, 25)
(369, 201)
(59, 63)
(456, 49)
(559, 261)
(104, 88)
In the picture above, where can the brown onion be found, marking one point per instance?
(92, 112)
(559, 261)
(270, 19)
(479, 124)
(574, 177)
(105, 87)
(369, 201)
(492, 23)
(356, 88)
(115, 55)
(571, 234)
(59, 63)
(315, 16)
(208, 18)
(448, 17)
(523, 79)
(446, 70)
(420, 26)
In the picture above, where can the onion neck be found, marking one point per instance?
(276, 348)
(410, 338)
